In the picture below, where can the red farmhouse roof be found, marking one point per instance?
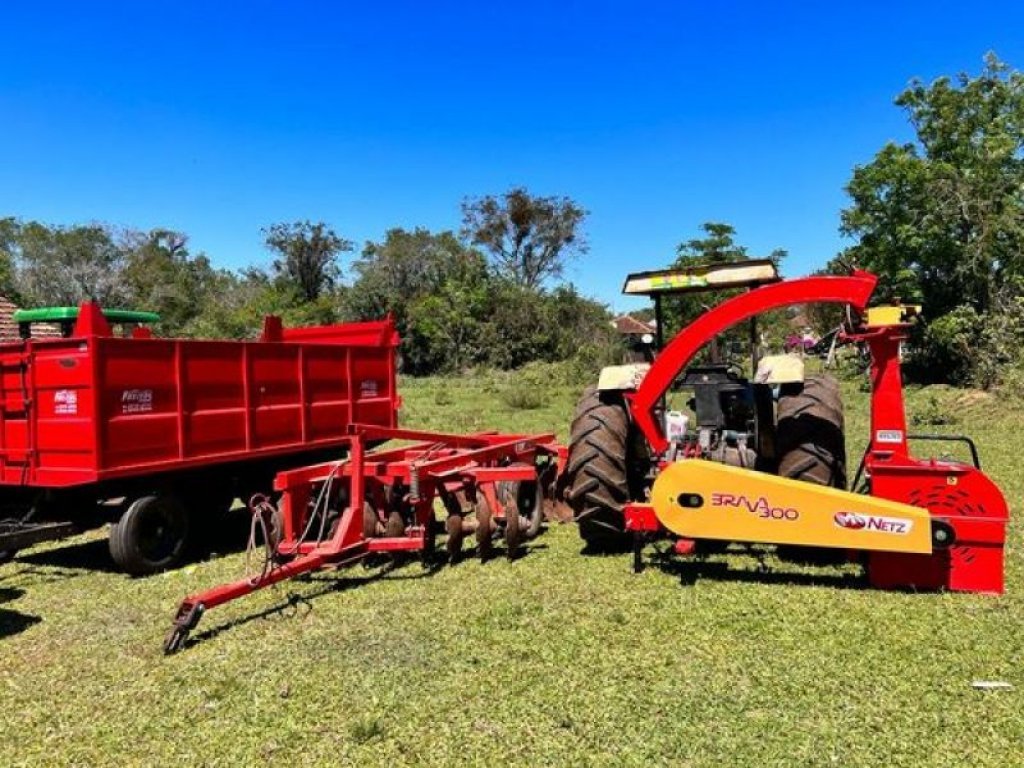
(631, 326)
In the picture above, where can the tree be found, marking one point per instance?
(452, 312)
(528, 238)
(65, 265)
(307, 256)
(161, 275)
(9, 229)
(406, 265)
(719, 246)
(941, 219)
(434, 286)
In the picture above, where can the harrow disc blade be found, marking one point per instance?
(484, 528)
(453, 546)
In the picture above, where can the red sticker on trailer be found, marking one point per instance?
(368, 388)
(137, 401)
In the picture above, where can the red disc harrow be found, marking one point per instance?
(383, 501)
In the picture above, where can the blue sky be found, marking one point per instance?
(220, 118)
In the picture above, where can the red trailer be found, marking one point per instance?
(177, 428)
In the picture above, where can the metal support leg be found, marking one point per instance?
(638, 551)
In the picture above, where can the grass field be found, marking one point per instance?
(553, 659)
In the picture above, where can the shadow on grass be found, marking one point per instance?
(86, 555)
(13, 622)
(231, 536)
(327, 582)
(592, 550)
(690, 571)
(377, 567)
(500, 552)
(28, 575)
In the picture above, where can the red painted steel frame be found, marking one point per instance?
(430, 466)
(673, 359)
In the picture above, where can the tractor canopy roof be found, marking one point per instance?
(737, 274)
(59, 314)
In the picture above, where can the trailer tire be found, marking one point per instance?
(152, 535)
(810, 440)
(604, 470)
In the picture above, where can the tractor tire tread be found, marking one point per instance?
(598, 482)
(810, 438)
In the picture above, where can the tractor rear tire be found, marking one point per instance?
(809, 437)
(812, 448)
(602, 472)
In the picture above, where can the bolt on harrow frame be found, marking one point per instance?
(383, 501)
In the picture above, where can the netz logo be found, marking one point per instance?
(856, 522)
(758, 506)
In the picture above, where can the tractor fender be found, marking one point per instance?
(780, 369)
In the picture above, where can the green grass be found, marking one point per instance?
(553, 659)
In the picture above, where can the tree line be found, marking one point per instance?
(940, 219)
(490, 294)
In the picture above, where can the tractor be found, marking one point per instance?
(761, 458)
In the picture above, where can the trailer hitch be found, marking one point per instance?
(185, 621)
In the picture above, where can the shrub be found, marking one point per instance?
(932, 412)
(967, 348)
(523, 397)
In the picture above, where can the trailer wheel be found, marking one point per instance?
(606, 469)
(151, 536)
(809, 438)
(394, 528)
(275, 528)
